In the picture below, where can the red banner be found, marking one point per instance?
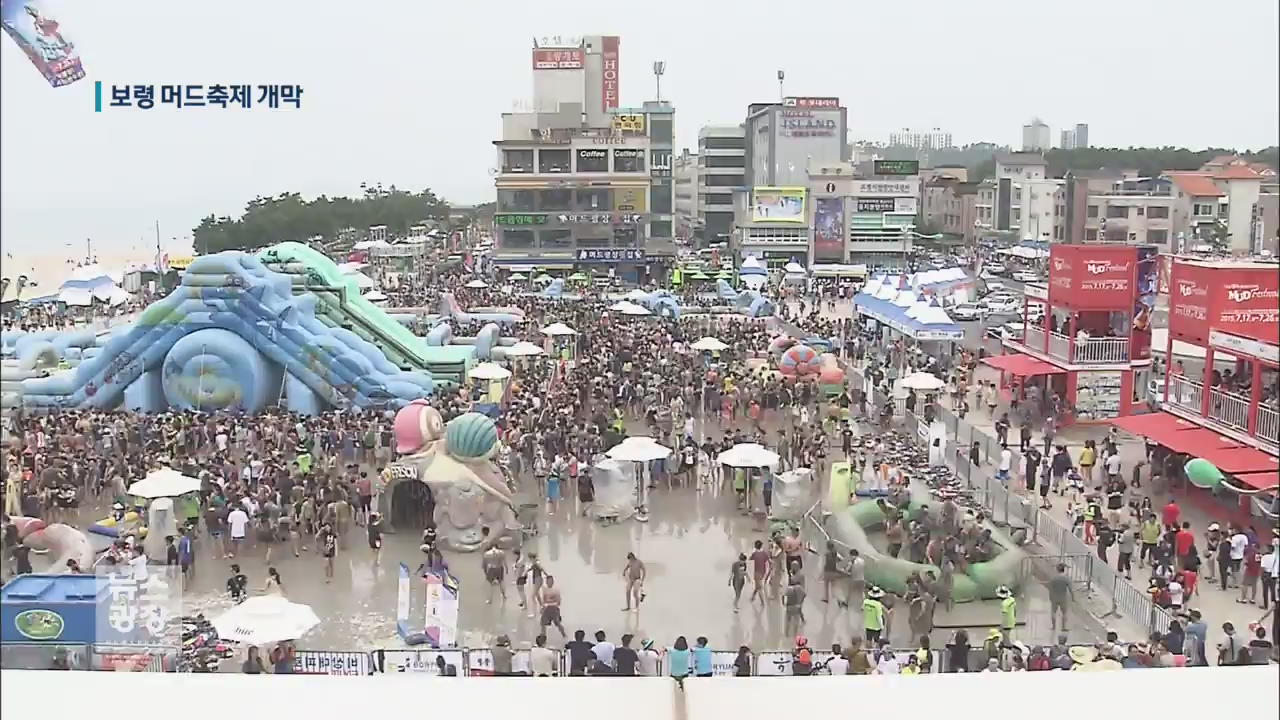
(1247, 303)
(609, 72)
(1240, 300)
(1087, 277)
(1189, 303)
(558, 58)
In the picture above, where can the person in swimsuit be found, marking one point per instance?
(494, 562)
(634, 574)
(550, 597)
(520, 568)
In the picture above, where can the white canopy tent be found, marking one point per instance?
(524, 348)
(558, 330)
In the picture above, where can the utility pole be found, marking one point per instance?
(88, 251)
(781, 94)
(158, 269)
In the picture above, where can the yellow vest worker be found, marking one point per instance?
(1008, 610)
(873, 611)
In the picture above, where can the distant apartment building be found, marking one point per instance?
(684, 178)
(1221, 203)
(721, 171)
(1132, 210)
(1266, 223)
(921, 139)
(1073, 138)
(950, 206)
(1035, 136)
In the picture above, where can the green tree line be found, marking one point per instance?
(287, 216)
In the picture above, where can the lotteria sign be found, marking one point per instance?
(1243, 301)
(1089, 277)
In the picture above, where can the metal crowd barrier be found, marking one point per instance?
(1014, 511)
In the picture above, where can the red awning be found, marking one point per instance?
(1022, 365)
(1175, 433)
(1240, 460)
(1260, 481)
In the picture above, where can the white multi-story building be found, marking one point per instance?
(1035, 136)
(1020, 179)
(581, 182)
(684, 175)
(721, 171)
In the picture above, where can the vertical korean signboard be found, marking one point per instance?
(609, 72)
(828, 229)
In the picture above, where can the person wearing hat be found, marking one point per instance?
(1008, 611)
(873, 615)
(502, 656)
(648, 658)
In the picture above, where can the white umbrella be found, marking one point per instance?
(709, 343)
(363, 281)
(635, 310)
(517, 276)
(748, 455)
(164, 483)
(489, 371)
(265, 619)
(524, 348)
(620, 306)
(557, 329)
(375, 296)
(543, 278)
(638, 449)
(922, 381)
(477, 284)
(636, 294)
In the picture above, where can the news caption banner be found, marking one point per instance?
(238, 97)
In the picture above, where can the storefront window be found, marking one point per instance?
(553, 161)
(660, 198)
(516, 239)
(660, 229)
(594, 199)
(593, 160)
(593, 242)
(517, 161)
(556, 239)
(555, 199)
(515, 200)
(628, 160)
(625, 236)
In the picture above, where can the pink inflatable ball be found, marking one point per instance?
(831, 375)
(416, 425)
(799, 361)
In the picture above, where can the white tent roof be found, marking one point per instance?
(919, 307)
(934, 315)
(76, 297)
(351, 268)
(905, 299)
(954, 273)
(555, 329)
(794, 268)
(364, 282)
(374, 296)
(873, 286)
(751, 263)
(888, 290)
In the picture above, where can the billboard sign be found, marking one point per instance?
(660, 163)
(778, 204)
(609, 72)
(1144, 304)
(1091, 277)
(875, 204)
(826, 103)
(905, 205)
(514, 219)
(610, 255)
(559, 59)
(895, 167)
(828, 229)
(1247, 303)
(630, 122)
(867, 188)
(629, 199)
(809, 123)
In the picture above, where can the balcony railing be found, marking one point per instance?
(1269, 425)
(1185, 393)
(1059, 345)
(1229, 408)
(1034, 338)
(1102, 351)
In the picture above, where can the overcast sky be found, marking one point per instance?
(410, 92)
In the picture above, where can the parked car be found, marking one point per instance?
(1035, 313)
(968, 311)
(1007, 331)
(1003, 304)
(993, 268)
(1026, 276)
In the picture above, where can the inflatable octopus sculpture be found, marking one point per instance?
(456, 461)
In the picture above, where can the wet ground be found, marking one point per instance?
(688, 547)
